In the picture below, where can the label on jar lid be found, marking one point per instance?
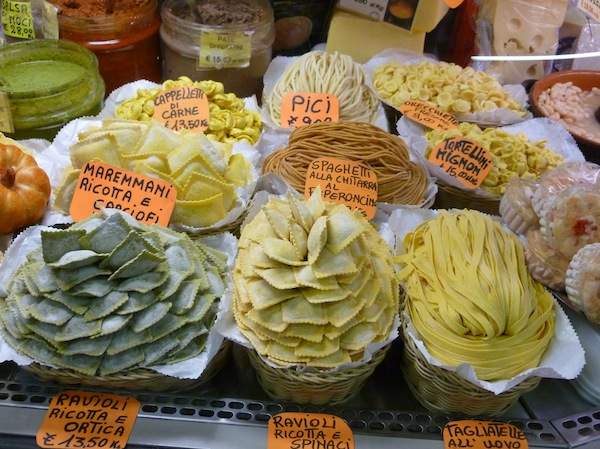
(225, 50)
(17, 19)
(49, 20)
(591, 8)
(6, 121)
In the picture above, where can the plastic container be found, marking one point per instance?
(188, 42)
(126, 41)
(49, 83)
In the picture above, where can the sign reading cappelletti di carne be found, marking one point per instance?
(308, 431)
(182, 108)
(473, 434)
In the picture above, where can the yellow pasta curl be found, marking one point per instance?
(471, 298)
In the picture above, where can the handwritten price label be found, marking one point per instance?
(222, 50)
(306, 430)
(428, 115)
(343, 182)
(100, 185)
(304, 108)
(78, 419)
(466, 161)
(17, 19)
(182, 108)
(474, 434)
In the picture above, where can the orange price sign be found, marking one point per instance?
(428, 115)
(308, 430)
(100, 185)
(463, 159)
(475, 434)
(79, 419)
(454, 3)
(343, 182)
(182, 108)
(305, 108)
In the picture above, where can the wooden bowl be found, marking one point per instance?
(583, 79)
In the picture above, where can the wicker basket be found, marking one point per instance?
(315, 386)
(137, 379)
(450, 197)
(443, 391)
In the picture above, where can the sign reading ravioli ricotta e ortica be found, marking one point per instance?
(79, 419)
(182, 108)
(100, 185)
(473, 434)
(308, 431)
(343, 182)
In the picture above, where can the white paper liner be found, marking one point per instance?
(557, 138)
(30, 239)
(68, 136)
(496, 117)
(228, 326)
(564, 358)
(275, 70)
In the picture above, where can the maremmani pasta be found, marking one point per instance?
(331, 73)
(471, 298)
(400, 180)
(450, 87)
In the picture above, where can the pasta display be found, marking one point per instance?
(229, 121)
(314, 283)
(450, 87)
(400, 180)
(330, 73)
(513, 155)
(470, 297)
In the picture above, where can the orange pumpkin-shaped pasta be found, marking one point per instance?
(24, 189)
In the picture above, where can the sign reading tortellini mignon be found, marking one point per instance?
(100, 186)
(475, 434)
(463, 159)
(308, 430)
(79, 419)
(305, 108)
(343, 182)
(428, 115)
(182, 108)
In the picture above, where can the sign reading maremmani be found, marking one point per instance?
(428, 115)
(474, 434)
(182, 108)
(305, 108)
(466, 161)
(78, 419)
(309, 431)
(344, 182)
(100, 185)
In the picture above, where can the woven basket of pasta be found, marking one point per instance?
(316, 298)
(470, 302)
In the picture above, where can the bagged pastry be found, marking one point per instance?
(583, 282)
(546, 264)
(516, 208)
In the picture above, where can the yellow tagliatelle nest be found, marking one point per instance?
(450, 87)
(513, 155)
(471, 298)
(205, 173)
(229, 121)
(314, 283)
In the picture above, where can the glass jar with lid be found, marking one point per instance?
(46, 84)
(122, 33)
(221, 40)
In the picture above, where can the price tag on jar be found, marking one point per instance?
(463, 159)
(428, 115)
(100, 185)
(343, 182)
(17, 19)
(224, 50)
(308, 430)
(6, 120)
(305, 108)
(591, 8)
(182, 108)
(79, 419)
(475, 434)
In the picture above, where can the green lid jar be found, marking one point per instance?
(48, 84)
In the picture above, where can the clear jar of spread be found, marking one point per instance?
(221, 40)
(48, 83)
(122, 33)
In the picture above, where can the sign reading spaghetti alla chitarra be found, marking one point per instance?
(344, 182)
(474, 434)
(309, 431)
(100, 185)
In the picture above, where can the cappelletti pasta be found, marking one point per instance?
(450, 87)
(471, 298)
